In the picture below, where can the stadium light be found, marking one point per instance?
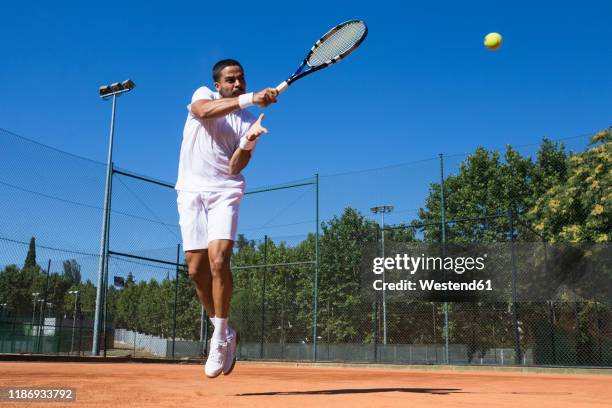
(383, 209)
(116, 88)
(106, 91)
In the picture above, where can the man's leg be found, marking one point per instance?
(193, 218)
(220, 253)
(222, 226)
(199, 272)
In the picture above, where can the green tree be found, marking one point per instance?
(30, 260)
(56, 295)
(487, 185)
(579, 209)
(127, 306)
(87, 298)
(188, 308)
(17, 286)
(72, 271)
(344, 243)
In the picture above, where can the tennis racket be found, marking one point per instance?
(336, 44)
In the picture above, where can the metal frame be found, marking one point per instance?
(106, 252)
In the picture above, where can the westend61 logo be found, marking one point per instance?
(428, 263)
(434, 268)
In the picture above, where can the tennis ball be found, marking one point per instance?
(492, 41)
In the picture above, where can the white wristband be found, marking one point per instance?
(246, 144)
(245, 100)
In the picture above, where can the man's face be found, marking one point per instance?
(231, 82)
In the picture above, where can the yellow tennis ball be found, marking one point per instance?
(492, 41)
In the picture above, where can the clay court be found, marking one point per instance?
(292, 385)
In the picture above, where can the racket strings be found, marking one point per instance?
(336, 44)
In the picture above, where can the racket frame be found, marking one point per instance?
(300, 73)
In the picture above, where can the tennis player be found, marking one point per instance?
(218, 142)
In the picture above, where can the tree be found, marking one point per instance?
(72, 271)
(30, 260)
(486, 185)
(344, 243)
(480, 195)
(17, 286)
(58, 288)
(87, 298)
(243, 243)
(579, 209)
(127, 307)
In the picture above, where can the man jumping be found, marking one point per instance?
(218, 141)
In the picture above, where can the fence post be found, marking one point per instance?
(80, 332)
(517, 339)
(552, 331)
(106, 254)
(263, 297)
(203, 322)
(374, 328)
(599, 335)
(27, 346)
(13, 333)
(206, 336)
(316, 277)
(42, 311)
(443, 231)
(59, 335)
(178, 256)
(551, 306)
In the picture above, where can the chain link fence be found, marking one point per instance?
(298, 295)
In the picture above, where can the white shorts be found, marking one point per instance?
(207, 216)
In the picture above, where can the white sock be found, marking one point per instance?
(220, 333)
(212, 320)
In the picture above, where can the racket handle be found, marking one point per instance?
(282, 87)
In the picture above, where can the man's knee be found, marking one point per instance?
(195, 273)
(197, 265)
(219, 263)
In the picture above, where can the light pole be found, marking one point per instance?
(383, 209)
(76, 298)
(106, 91)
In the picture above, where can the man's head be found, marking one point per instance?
(229, 78)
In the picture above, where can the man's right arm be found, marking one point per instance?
(212, 109)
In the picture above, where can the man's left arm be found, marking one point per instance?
(242, 155)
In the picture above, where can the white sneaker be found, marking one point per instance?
(216, 358)
(233, 339)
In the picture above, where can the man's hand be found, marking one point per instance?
(241, 156)
(256, 129)
(265, 97)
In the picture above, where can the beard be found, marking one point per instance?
(231, 93)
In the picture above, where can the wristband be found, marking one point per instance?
(245, 100)
(246, 144)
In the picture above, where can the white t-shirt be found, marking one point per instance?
(208, 146)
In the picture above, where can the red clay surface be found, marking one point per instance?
(259, 385)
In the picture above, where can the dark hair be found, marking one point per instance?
(223, 64)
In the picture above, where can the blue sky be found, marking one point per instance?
(421, 84)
